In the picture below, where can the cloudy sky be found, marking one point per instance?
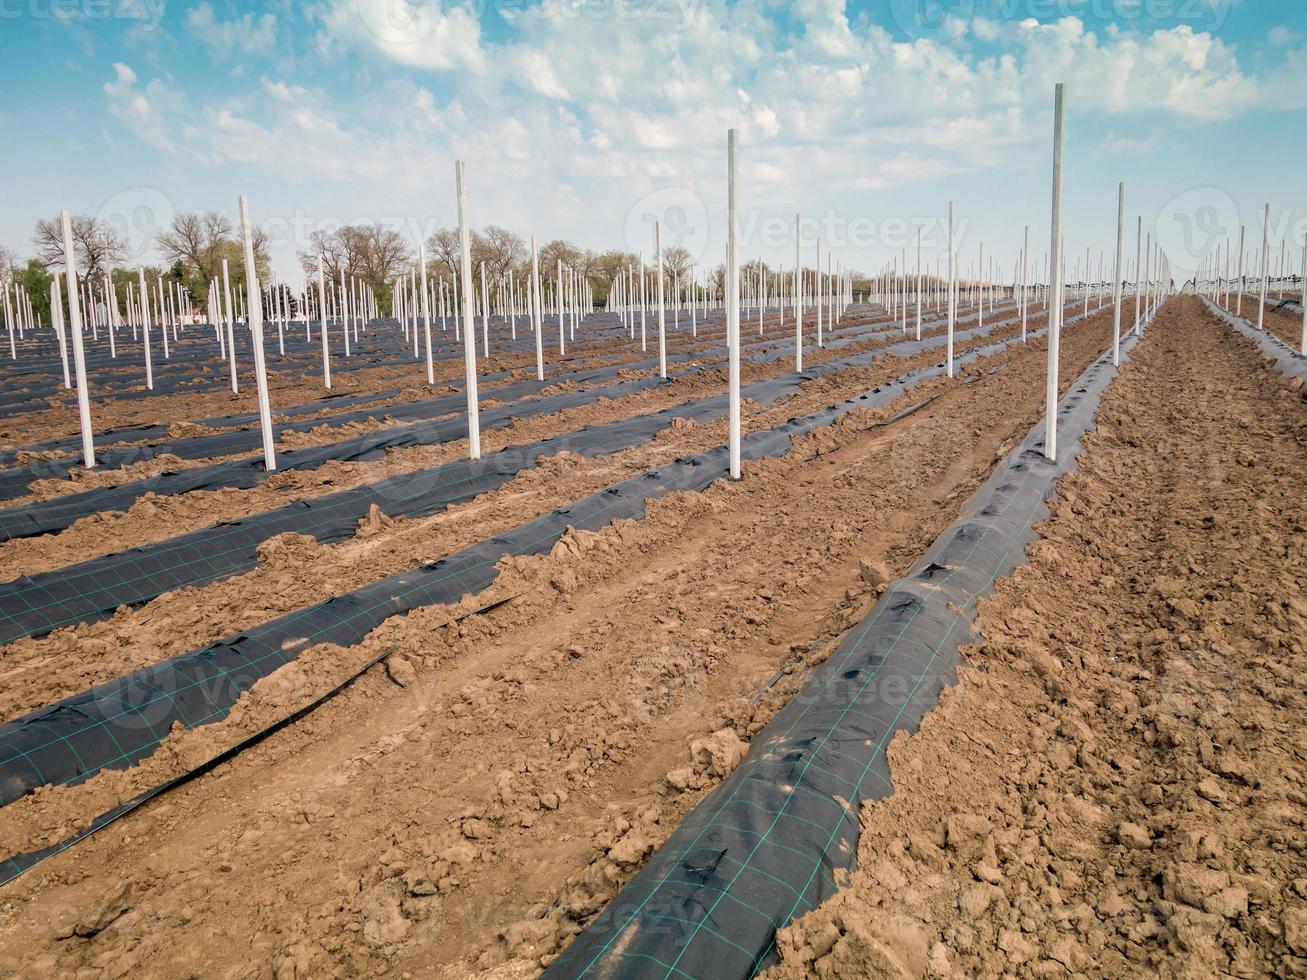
(587, 118)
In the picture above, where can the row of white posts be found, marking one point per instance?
(414, 302)
(1214, 279)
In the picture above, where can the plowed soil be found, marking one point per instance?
(1118, 784)
(471, 804)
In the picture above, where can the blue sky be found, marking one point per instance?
(583, 119)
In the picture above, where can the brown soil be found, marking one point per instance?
(154, 518)
(306, 391)
(289, 386)
(302, 385)
(1285, 325)
(296, 571)
(483, 795)
(1118, 784)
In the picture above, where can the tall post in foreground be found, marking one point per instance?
(537, 312)
(231, 329)
(255, 315)
(798, 297)
(733, 297)
(1025, 283)
(662, 312)
(145, 329)
(469, 331)
(1261, 299)
(79, 354)
(322, 317)
(1139, 270)
(1055, 307)
(918, 283)
(426, 314)
(1303, 347)
(1116, 288)
(952, 294)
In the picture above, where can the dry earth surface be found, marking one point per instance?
(469, 806)
(1118, 784)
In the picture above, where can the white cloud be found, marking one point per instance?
(1132, 146)
(604, 110)
(153, 113)
(422, 35)
(244, 37)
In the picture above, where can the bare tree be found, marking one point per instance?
(343, 253)
(8, 263)
(443, 251)
(717, 281)
(385, 254)
(552, 252)
(676, 262)
(96, 244)
(199, 242)
(327, 246)
(501, 250)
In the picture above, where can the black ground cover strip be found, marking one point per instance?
(60, 512)
(193, 366)
(13, 867)
(764, 846)
(45, 517)
(116, 724)
(158, 435)
(329, 399)
(1288, 361)
(93, 589)
(840, 337)
(16, 481)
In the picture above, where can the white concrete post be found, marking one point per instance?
(145, 328)
(231, 329)
(256, 338)
(537, 319)
(798, 296)
(1116, 288)
(426, 315)
(733, 298)
(469, 330)
(1266, 240)
(56, 321)
(79, 353)
(952, 295)
(662, 313)
(322, 319)
(918, 282)
(1055, 310)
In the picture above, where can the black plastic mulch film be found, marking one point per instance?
(1287, 360)
(763, 847)
(120, 722)
(89, 590)
(16, 480)
(194, 361)
(48, 516)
